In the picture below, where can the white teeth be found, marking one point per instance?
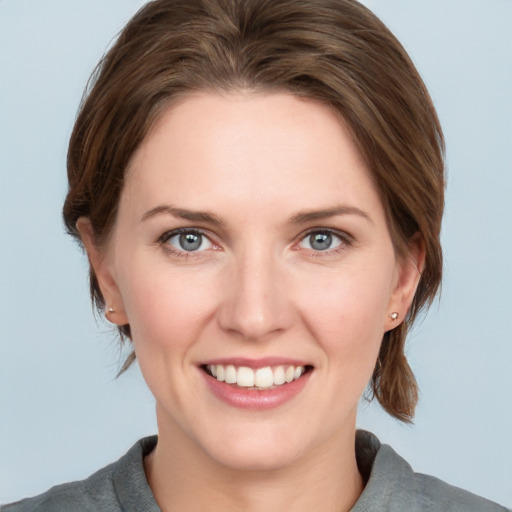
(245, 377)
(262, 378)
(230, 374)
(298, 372)
(279, 377)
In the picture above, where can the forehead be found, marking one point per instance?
(265, 149)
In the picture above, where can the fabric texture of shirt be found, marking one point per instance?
(392, 486)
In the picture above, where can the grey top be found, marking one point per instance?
(392, 486)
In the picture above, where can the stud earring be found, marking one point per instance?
(394, 316)
(110, 310)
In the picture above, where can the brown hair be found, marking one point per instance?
(334, 51)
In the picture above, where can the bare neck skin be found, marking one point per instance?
(183, 478)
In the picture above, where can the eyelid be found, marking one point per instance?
(333, 231)
(175, 251)
(346, 239)
(179, 231)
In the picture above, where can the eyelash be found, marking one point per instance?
(176, 252)
(345, 239)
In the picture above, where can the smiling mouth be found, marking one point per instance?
(268, 377)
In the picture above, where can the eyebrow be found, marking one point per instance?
(183, 213)
(315, 215)
(210, 218)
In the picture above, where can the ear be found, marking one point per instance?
(101, 265)
(409, 270)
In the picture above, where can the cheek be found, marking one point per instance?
(165, 307)
(353, 299)
(167, 311)
(346, 317)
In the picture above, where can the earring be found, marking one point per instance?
(110, 310)
(394, 316)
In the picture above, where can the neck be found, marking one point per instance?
(183, 478)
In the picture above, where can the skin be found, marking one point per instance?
(256, 288)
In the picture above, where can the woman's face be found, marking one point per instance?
(251, 244)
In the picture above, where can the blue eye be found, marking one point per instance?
(188, 241)
(320, 241)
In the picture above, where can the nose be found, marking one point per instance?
(255, 301)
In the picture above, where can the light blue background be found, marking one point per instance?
(63, 414)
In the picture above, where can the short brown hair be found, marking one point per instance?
(334, 51)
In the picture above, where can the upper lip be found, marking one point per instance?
(256, 363)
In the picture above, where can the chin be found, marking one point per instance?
(257, 448)
(257, 458)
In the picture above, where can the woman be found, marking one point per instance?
(259, 188)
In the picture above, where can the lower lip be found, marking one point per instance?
(255, 399)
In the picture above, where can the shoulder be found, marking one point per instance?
(94, 493)
(432, 492)
(393, 485)
(106, 490)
